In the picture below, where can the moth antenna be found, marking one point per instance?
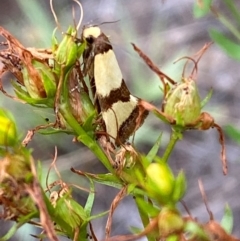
(81, 14)
(54, 15)
(108, 22)
(92, 24)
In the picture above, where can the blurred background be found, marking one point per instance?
(165, 31)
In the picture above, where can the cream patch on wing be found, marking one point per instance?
(117, 114)
(107, 73)
(91, 31)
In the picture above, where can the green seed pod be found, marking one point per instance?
(183, 102)
(169, 222)
(8, 130)
(160, 181)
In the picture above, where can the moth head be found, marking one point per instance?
(91, 33)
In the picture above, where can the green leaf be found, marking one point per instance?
(195, 230)
(98, 215)
(130, 188)
(230, 47)
(201, 8)
(146, 208)
(23, 95)
(227, 220)
(233, 133)
(207, 98)
(142, 209)
(180, 187)
(107, 179)
(16, 226)
(153, 152)
(90, 200)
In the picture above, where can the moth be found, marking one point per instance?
(122, 112)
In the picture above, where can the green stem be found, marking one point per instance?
(175, 136)
(143, 214)
(84, 137)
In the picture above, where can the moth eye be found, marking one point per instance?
(90, 39)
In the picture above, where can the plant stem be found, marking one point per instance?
(84, 137)
(143, 215)
(175, 136)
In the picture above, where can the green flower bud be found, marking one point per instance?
(18, 166)
(183, 102)
(67, 209)
(180, 187)
(169, 222)
(8, 130)
(15, 177)
(160, 181)
(68, 50)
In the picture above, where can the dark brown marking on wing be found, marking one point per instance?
(121, 94)
(131, 124)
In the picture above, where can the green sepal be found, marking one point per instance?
(227, 220)
(20, 222)
(47, 77)
(207, 98)
(195, 231)
(23, 95)
(180, 187)
(154, 150)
